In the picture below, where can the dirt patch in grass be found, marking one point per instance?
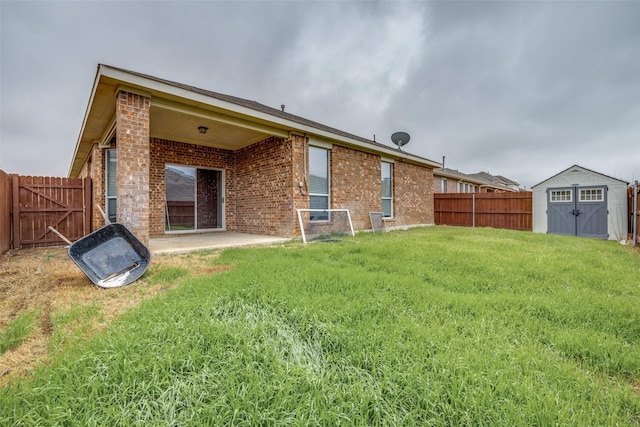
(48, 282)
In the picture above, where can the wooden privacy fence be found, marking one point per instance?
(180, 214)
(38, 202)
(633, 203)
(497, 210)
(5, 212)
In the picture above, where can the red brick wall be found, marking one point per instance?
(94, 168)
(300, 195)
(412, 195)
(97, 174)
(264, 188)
(356, 184)
(132, 177)
(208, 189)
(179, 153)
(261, 183)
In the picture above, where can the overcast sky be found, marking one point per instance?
(520, 89)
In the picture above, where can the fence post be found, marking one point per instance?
(473, 209)
(88, 205)
(6, 203)
(15, 182)
(635, 213)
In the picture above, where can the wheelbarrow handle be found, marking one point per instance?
(121, 272)
(104, 215)
(60, 235)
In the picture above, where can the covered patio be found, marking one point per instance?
(216, 240)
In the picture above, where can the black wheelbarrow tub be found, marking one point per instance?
(111, 256)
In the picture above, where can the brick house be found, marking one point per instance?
(166, 158)
(447, 180)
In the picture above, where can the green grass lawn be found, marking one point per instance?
(437, 326)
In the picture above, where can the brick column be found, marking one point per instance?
(132, 140)
(98, 192)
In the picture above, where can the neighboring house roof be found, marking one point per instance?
(169, 97)
(494, 179)
(507, 181)
(175, 184)
(455, 174)
(582, 169)
(482, 179)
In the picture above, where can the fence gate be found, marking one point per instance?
(40, 202)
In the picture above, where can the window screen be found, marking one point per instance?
(110, 178)
(387, 189)
(319, 182)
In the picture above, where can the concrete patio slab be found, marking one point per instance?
(194, 242)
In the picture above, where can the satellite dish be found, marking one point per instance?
(400, 139)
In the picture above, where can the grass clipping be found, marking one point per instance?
(67, 306)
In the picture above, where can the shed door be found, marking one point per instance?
(591, 205)
(561, 207)
(577, 211)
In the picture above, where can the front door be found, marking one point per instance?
(193, 198)
(577, 211)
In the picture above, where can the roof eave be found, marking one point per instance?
(156, 87)
(76, 163)
(581, 167)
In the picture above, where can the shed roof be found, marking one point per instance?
(582, 169)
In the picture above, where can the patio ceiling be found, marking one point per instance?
(180, 123)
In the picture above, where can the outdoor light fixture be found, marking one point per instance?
(202, 129)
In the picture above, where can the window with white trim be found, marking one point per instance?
(561, 195)
(591, 195)
(318, 183)
(443, 185)
(387, 189)
(110, 183)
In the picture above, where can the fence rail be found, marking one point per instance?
(497, 210)
(180, 214)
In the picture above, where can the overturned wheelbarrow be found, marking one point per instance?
(110, 257)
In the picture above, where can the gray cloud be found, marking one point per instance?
(521, 89)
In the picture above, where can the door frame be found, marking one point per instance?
(221, 201)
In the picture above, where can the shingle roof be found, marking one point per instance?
(493, 179)
(483, 178)
(452, 173)
(256, 106)
(579, 167)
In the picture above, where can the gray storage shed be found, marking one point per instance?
(581, 202)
